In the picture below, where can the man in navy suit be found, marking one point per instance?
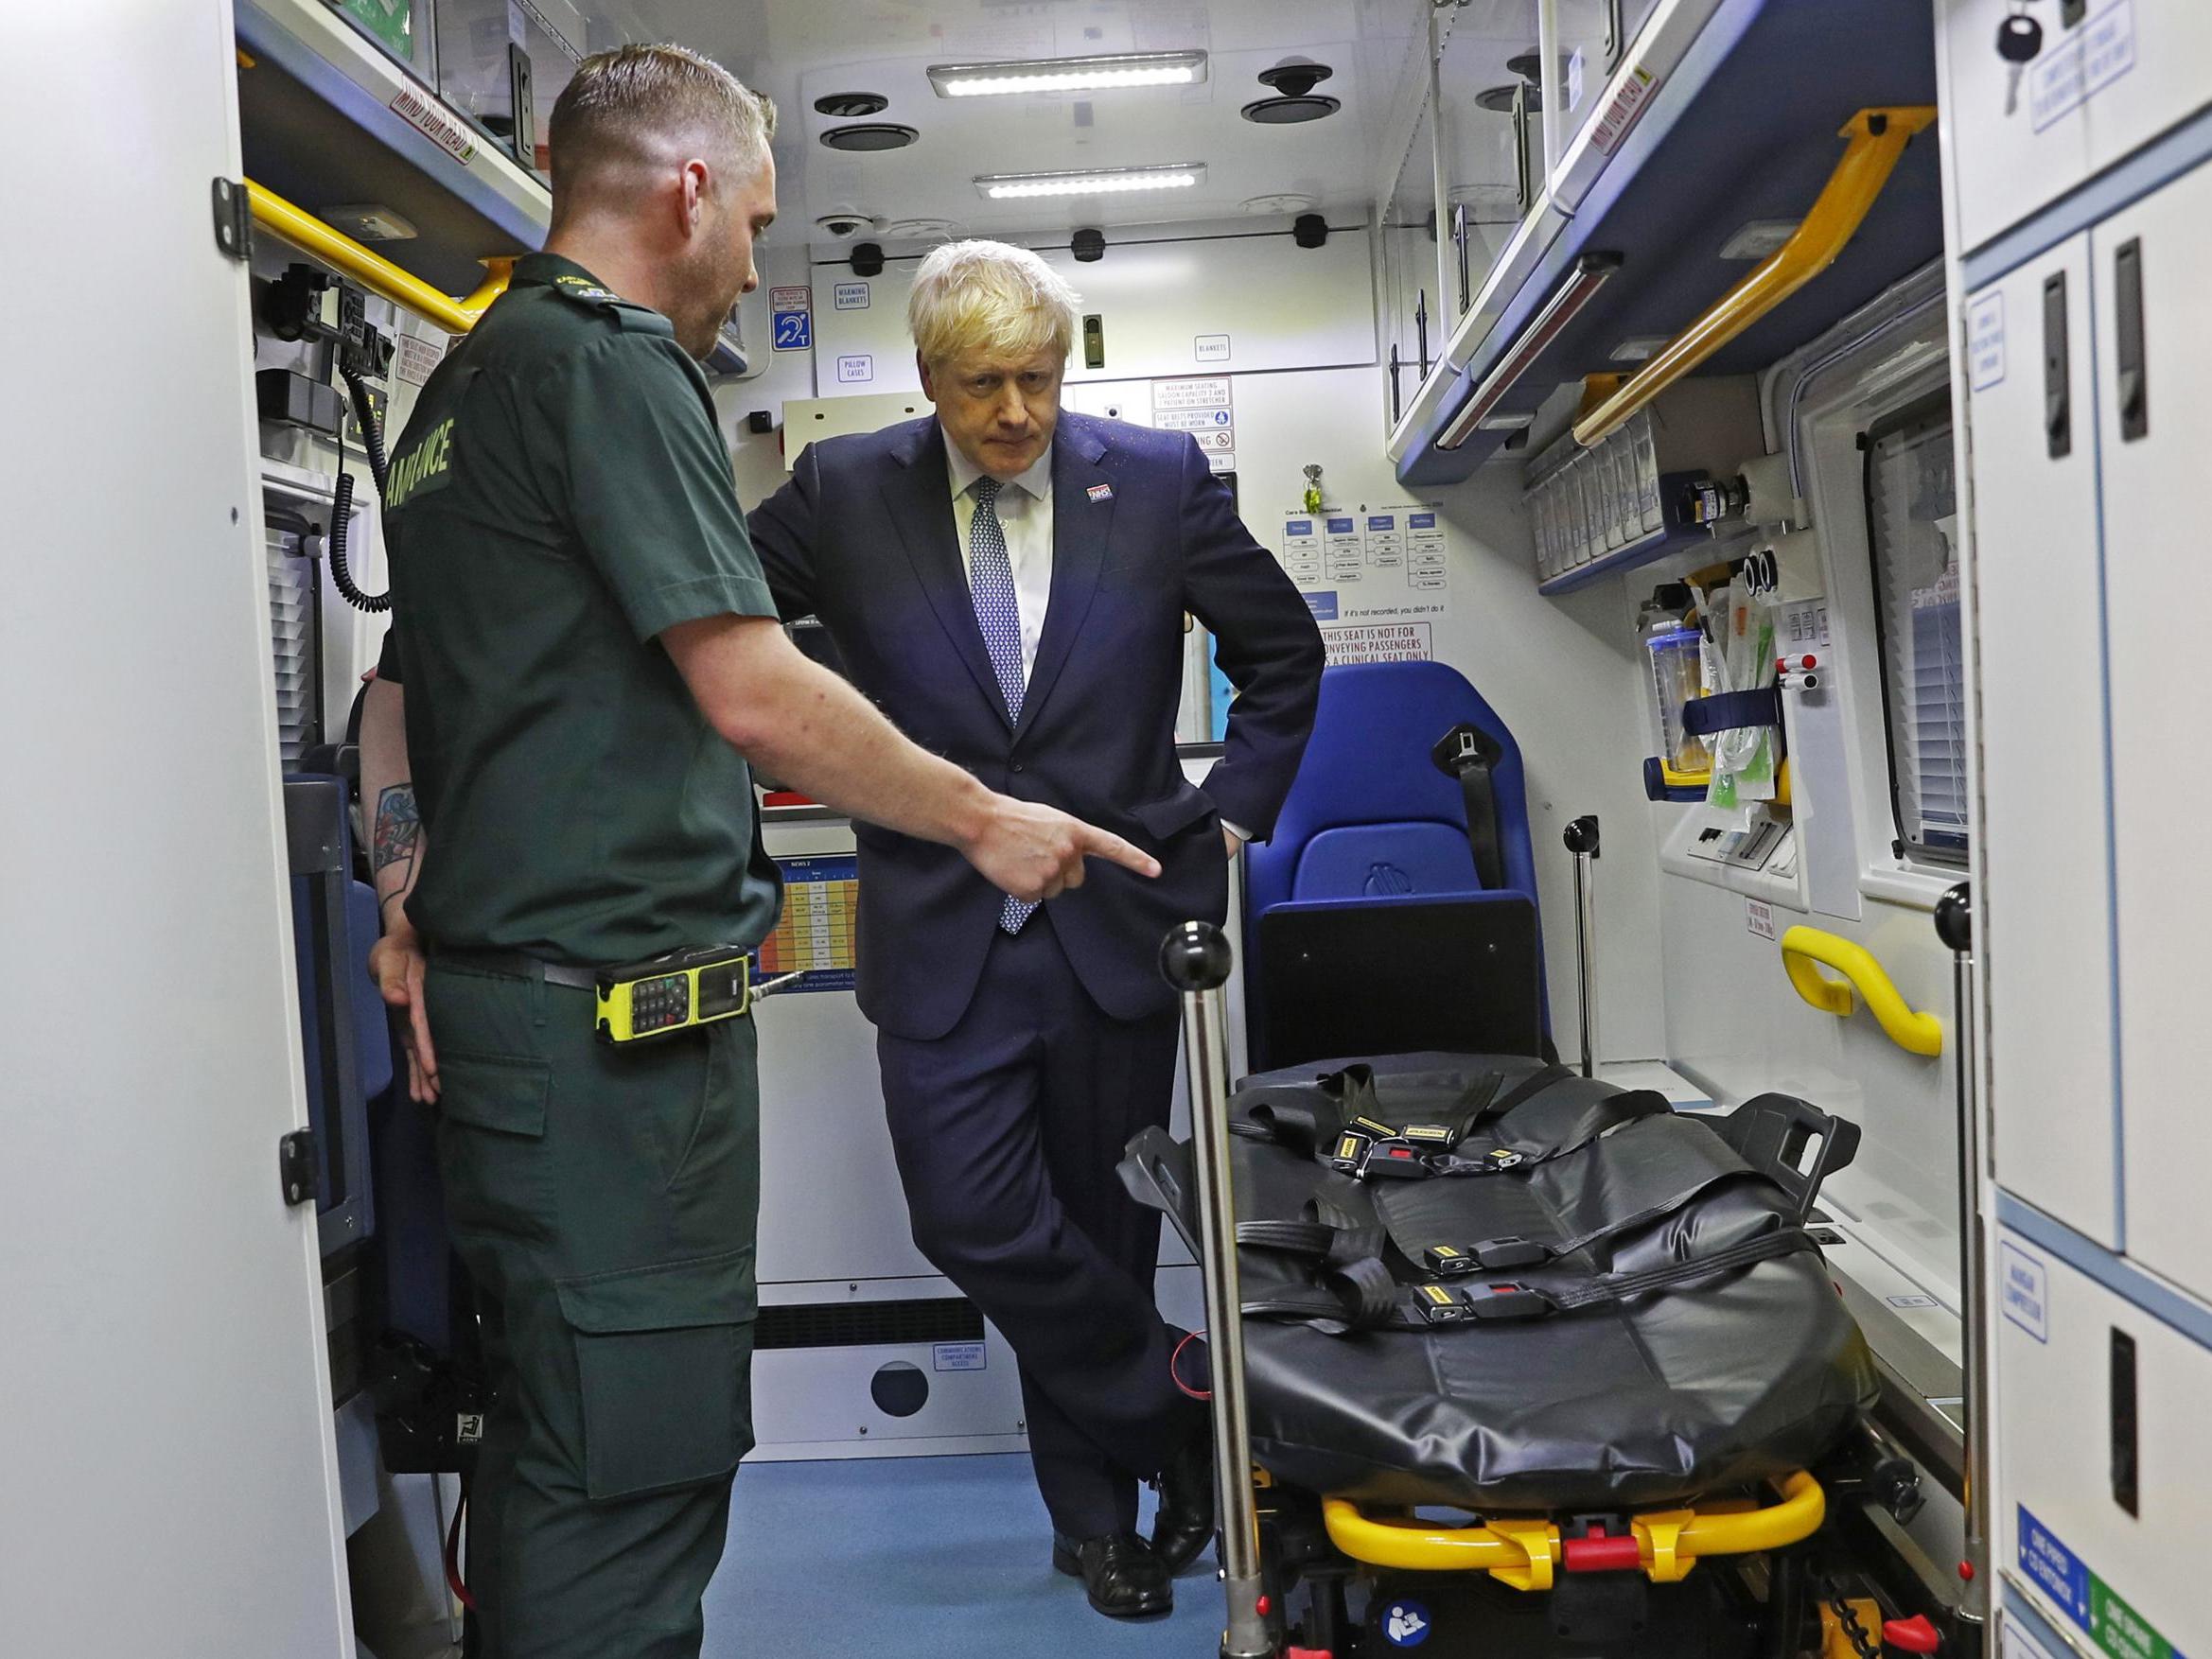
(1009, 584)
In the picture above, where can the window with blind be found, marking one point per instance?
(1912, 509)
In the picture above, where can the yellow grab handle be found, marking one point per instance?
(1873, 141)
(1527, 1553)
(1915, 1033)
(374, 271)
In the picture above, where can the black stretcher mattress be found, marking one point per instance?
(1642, 1402)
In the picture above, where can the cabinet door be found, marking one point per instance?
(171, 1473)
(2101, 1450)
(2007, 166)
(1492, 138)
(2153, 352)
(2150, 53)
(2047, 923)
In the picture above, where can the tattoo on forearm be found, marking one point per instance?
(398, 833)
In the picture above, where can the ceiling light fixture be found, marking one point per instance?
(1099, 74)
(1089, 181)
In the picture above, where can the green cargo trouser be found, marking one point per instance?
(604, 1199)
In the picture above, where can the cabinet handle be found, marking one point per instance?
(2127, 269)
(2126, 1463)
(1524, 186)
(1459, 236)
(2058, 402)
(1616, 35)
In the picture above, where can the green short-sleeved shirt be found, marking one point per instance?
(561, 495)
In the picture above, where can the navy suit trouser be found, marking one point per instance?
(1007, 1131)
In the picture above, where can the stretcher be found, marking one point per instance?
(1512, 1362)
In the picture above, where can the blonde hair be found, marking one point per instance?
(622, 108)
(988, 296)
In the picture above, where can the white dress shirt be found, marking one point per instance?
(1025, 512)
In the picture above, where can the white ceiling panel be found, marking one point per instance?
(800, 50)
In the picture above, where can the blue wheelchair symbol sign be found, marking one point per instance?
(1406, 1624)
(795, 331)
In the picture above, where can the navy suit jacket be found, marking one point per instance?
(863, 537)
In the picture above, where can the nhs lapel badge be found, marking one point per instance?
(1101, 493)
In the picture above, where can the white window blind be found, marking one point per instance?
(1912, 514)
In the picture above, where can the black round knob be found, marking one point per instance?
(1581, 836)
(1955, 917)
(1195, 957)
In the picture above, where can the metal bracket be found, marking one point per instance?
(233, 218)
(296, 1167)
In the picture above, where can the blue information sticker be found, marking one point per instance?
(1406, 1624)
(1323, 605)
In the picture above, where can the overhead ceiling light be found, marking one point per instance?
(1759, 239)
(1638, 348)
(1089, 181)
(969, 80)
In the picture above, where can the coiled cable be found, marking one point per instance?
(364, 414)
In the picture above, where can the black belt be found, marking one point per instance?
(520, 965)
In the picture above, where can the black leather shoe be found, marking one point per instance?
(1120, 1573)
(1185, 1524)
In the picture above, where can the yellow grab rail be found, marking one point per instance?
(374, 271)
(1874, 140)
(1528, 1553)
(1915, 1033)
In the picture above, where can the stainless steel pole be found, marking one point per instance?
(1582, 841)
(1196, 960)
(1955, 926)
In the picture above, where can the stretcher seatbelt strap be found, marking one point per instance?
(1455, 1258)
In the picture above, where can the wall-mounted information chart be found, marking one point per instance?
(815, 936)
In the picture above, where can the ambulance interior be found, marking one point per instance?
(1746, 403)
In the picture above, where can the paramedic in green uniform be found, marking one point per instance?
(587, 658)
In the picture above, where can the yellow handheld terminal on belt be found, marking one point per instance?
(673, 993)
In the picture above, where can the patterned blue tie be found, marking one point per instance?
(990, 581)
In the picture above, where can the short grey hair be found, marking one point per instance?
(623, 107)
(970, 296)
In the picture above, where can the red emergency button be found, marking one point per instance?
(1914, 1634)
(1966, 1571)
(1810, 662)
(1261, 1606)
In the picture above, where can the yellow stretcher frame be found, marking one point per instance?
(303, 231)
(1915, 1031)
(1873, 141)
(1528, 1553)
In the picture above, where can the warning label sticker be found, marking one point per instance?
(1378, 642)
(416, 358)
(1627, 106)
(420, 110)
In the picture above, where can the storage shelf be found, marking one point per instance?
(318, 126)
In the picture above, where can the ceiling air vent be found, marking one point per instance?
(870, 135)
(851, 106)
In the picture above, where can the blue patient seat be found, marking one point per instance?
(1364, 913)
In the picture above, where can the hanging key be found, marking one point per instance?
(2019, 39)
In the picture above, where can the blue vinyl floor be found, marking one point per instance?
(922, 1558)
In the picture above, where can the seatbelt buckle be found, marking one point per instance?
(1449, 1261)
(1439, 1305)
(1502, 1158)
(1497, 1255)
(1395, 1158)
(1351, 1150)
(1507, 1302)
(1430, 1134)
